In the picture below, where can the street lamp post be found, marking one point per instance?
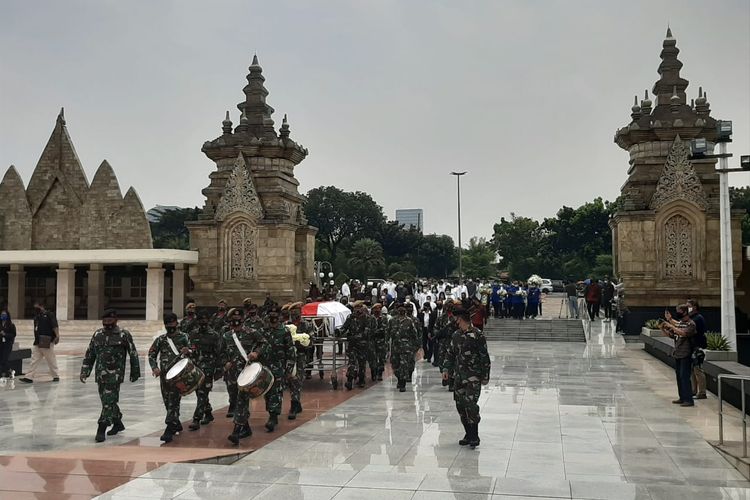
(460, 254)
(699, 148)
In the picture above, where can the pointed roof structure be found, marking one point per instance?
(670, 81)
(255, 108)
(59, 161)
(15, 215)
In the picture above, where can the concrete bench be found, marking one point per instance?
(15, 360)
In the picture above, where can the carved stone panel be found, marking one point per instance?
(240, 251)
(678, 180)
(678, 238)
(239, 194)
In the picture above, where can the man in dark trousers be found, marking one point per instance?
(698, 378)
(46, 337)
(426, 319)
(608, 293)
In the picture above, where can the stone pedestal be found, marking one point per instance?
(16, 291)
(95, 302)
(66, 292)
(154, 292)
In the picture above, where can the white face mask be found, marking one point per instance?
(690, 310)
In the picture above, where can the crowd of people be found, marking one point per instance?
(224, 343)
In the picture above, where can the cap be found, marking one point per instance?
(234, 312)
(246, 302)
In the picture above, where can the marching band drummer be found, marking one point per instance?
(241, 346)
(169, 348)
(208, 344)
(279, 356)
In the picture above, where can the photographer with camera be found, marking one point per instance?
(681, 328)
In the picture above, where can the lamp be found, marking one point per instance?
(745, 162)
(698, 147)
(724, 130)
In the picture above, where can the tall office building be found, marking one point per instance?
(411, 218)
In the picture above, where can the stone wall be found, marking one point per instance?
(15, 215)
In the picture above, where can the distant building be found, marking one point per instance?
(411, 218)
(155, 214)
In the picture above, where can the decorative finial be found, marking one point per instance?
(284, 133)
(636, 109)
(700, 91)
(674, 101)
(255, 60)
(61, 116)
(692, 103)
(669, 31)
(226, 125)
(646, 104)
(243, 118)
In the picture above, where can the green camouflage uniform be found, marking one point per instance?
(356, 329)
(209, 345)
(251, 340)
(108, 349)
(188, 323)
(218, 321)
(295, 385)
(445, 326)
(255, 323)
(378, 343)
(469, 362)
(278, 355)
(403, 335)
(166, 359)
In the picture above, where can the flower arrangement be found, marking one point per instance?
(535, 280)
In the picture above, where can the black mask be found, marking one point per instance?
(222, 309)
(236, 322)
(108, 326)
(171, 329)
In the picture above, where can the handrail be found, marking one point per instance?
(742, 379)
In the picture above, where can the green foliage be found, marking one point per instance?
(716, 342)
(402, 276)
(478, 259)
(573, 244)
(652, 324)
(437, 256)
(340, 279)
(170, 230)
(367, 257)
(740, 200)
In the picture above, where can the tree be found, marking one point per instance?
(436, 256)
(367, 256)
(341, 215)
(478, 259)
(170, 231)
(740, 200)
(518, 240)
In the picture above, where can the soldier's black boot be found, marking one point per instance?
(208, 417)
(178, 427)
(245, 431)
(474, 436)
(232, 406)
(465, 440)
(445, 382)
(361, 382)
(348, 383)
(195, 425)
(168, 434)
(273, 421)
(401, 385)
(116, 427)
(234, 437)
(374, 375)
(100, 433)
(380, 375)
(292, 411)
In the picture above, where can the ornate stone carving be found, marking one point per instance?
(239, 194)
(240, 252)
(678, 237)
(678, 180)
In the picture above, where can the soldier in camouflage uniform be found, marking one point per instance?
(356, 329)
(278, 355)
(109, 347)
(189, 321)
(253, 320)
(378, 342)
(412, 360)
(403, 335)
(167, 357)
(469, 362)
(219, 318)
(302, 355)
(234, 362)
(208, 344)
(445, 327)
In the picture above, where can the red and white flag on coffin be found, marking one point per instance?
(335, 310)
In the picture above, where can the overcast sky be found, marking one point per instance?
(388, 96)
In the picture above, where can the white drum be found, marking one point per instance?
(255, 379)
(184, 376)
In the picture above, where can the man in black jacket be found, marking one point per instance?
(698, 378)
(7, 337)
(426, 319)
(608, 293)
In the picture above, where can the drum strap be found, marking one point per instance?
(172, 346)
(239, 346)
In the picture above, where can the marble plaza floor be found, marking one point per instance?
(588, 420)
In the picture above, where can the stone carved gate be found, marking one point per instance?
(678, 240)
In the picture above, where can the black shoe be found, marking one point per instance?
(380, 377)
(474, 435)
(230, 412)
(207, 418)
(56, 379)
(168, 434)
(292, 411)
(445, 382)
(116, 427)
(273, 421)
(245, 431)
(100, 433)
(348, 384)
(465, 440)
(401, 388)
(361, 382)
(234, 437)
(26, 380)
(178, 427)
(195, 425)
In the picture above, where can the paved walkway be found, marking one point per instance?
(589, 421)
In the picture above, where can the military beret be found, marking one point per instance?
(234, 312)
(247, 301)
(170, 318)
(358, 303)
(377, 306)
(202, 314)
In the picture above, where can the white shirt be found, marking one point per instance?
(345, 292)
